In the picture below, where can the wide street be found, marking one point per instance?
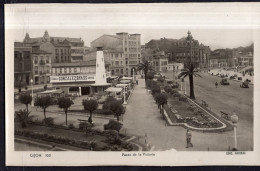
(230, 98)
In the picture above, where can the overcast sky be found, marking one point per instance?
(216, 27)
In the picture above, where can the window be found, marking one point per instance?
(125, 49)
(126, 62)
(117, 63)
(117, 71)
(36, 70)
(116, 55)
(70, 70)
(75, 70)
(65, 70)
(36, 60)
(47, 59)
(122, 71)
(56, 71)
(60, 70)
(121, 62)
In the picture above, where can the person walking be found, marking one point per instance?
(216, 84)
(136, 82)
(188, 138)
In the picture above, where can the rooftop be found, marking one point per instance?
(75, 64)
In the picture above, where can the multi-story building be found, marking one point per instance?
(160, 61)
(128, 44)
(180, 50)
(219, 58)
(245, 59)
(63, 49)
(41, 67)
(22, 63)
(115, 57)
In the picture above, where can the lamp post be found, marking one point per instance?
(234, 119)
(124, 95)
(134, 74)
(32, 93)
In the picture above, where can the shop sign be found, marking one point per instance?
(71, 78)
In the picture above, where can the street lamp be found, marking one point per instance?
(134, 74)
(125, 95)
(234, 119)
(32, 93)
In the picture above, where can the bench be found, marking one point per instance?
(85, 121)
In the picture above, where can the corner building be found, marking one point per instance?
(128, 44)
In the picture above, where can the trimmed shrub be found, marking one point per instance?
(176, 95)
(71, 126)
(85, 126)
(182, 98)
(156, 89)
(48, 121)
(113, 125)
(160, 79)
(168, 89)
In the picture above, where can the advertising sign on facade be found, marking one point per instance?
(71, 78)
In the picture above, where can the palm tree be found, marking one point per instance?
(145, 66)
(23, 117)
(190, 69)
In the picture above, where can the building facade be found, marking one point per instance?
(245, 59)
(160, 61)
(22, 64)
(180, 50)
(116, 59)
(41, 67)
(63, 49)
(128, 44)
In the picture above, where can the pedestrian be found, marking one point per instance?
(136, 82)
(188, 138)
(216, 84)
(212, 73)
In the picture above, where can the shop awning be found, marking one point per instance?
(51, 92)
(114, 89)
(121, 85)
(125, 81)
(127, 78)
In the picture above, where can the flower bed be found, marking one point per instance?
(181, 110)
(96, 141)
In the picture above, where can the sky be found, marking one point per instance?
(221, 27)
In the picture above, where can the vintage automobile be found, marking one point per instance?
(224, 82)
(244, 84)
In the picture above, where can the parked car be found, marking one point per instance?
(244, 84)
(224, 82)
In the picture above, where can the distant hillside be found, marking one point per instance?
(249, 48)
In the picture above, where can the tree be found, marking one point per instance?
(145, 66)
(117, 108)
(190, 69)
(25, 99)
(90, 105)
(161, 100)
(23, 117)
(44, 102)
(65, 103)
(156, 89)
(150, 75)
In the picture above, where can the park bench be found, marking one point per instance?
(85, 121)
